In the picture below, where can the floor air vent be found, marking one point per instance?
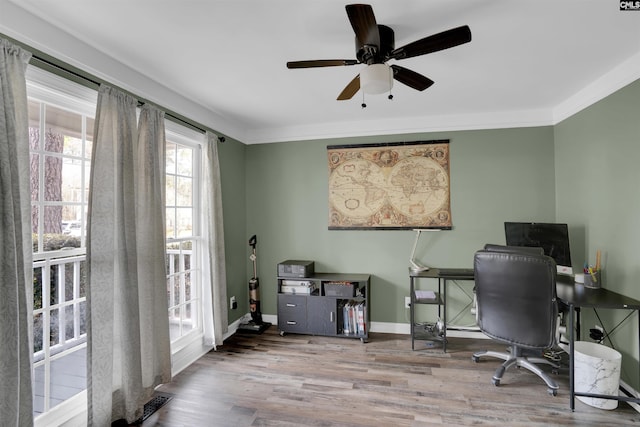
(157, 401)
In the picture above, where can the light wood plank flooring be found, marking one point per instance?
(301, 380)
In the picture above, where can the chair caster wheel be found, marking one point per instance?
(552, 392)
(475, 358)
(495, 382)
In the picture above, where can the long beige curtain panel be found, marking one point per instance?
(16, 270)
(128, 334)
(214, 304)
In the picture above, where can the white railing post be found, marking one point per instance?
(60, 284)
(46, 330)
(76, 295)
(183, 311)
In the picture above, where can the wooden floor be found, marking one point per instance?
(301, 380)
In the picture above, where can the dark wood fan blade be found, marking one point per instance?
(411, 78)
(434, 43)
(321, 63)
(364, 24)
(352, 88)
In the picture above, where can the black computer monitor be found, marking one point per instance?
(552, 238)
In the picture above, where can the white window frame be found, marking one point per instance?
(59, 92)
(183, 135)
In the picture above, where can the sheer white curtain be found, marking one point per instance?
(216, 322)
(16, 268)
(152, 276)
(128, 333)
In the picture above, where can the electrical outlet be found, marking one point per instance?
(407, 302)
(232, 303)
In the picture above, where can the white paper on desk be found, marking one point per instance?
(425, 295)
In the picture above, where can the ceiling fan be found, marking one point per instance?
(375, 45)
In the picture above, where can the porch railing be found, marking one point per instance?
(60, 323)
(59, 328)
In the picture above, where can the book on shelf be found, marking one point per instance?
(361, 319)
(353, 317)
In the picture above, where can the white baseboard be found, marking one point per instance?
(405, 328)
(390, 328)
(379, 327)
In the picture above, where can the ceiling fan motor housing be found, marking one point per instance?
(368, 54)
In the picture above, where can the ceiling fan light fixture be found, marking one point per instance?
(376, 78)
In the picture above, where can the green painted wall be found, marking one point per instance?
(233, 181)
(582, 171)
(597, 153)
(496, 175)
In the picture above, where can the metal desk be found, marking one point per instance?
(577, 296)
(441, 299)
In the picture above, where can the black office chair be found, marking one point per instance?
(516, 304)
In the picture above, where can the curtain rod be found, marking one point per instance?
(58, 67)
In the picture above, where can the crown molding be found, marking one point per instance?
(409, 125)
(622, 75)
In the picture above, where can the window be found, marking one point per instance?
(183, 154)
(61, 121)
(60, 130)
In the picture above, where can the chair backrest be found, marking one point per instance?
(516, 295)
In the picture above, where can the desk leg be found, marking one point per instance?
(444, 316)
(411, 311)
(572, 403)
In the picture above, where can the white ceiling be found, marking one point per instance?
(529, 62)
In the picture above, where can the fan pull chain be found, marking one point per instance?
(363, 105)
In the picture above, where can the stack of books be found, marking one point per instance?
(353, 317)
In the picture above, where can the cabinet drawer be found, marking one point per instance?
(292, 313)
(292, 303)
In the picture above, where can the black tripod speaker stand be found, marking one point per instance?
(256, 325)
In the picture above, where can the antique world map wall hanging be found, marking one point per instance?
(389, 186)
